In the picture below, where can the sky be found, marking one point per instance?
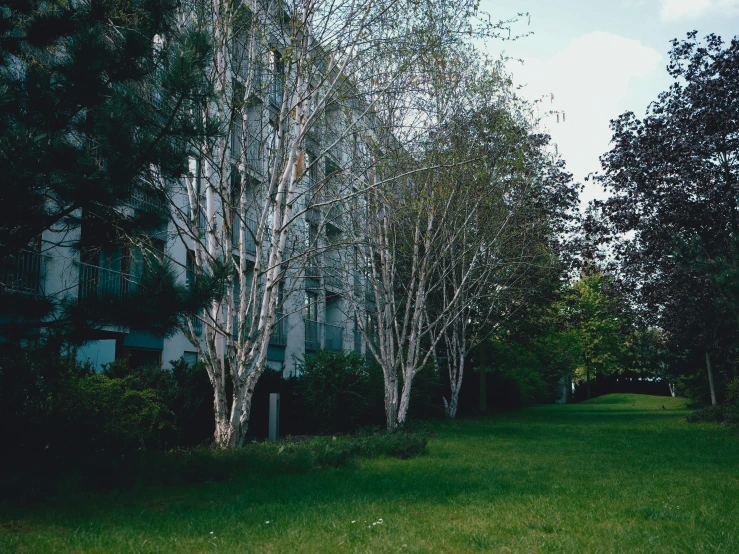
(593, 60)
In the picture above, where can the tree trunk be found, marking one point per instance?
(711, 383)
(391, 403)
(587, 382)
(405, 399)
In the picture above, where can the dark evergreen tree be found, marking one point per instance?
(98, 106)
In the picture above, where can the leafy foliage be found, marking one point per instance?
(339, 390)
(672, 216)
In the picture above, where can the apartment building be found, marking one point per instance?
(322, 265)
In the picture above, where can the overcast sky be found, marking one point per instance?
(599, 59)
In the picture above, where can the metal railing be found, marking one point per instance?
(278, 336)
(254, 158)
(251, 231)
(313, 335)
(197, 325)
(275, 90)
(334, 337)
(145, 200)
(202, 219)
(369, 293)
(98, 281)
(333, 273)
(312, 273)
(23, 272)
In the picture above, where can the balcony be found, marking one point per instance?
(331, 337)
(312, 275)
(145, 201)
(313, 335)
(278, 336)
(98, 281)
(23, 273)
(202, 220)
(335, 215)
(197, 324)
(334, 337)
(333, 274)
(254, 158)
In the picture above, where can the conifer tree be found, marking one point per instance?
(97, 106)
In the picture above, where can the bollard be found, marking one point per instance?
(274, 416)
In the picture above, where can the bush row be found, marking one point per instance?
(117, 472)
(728, 414)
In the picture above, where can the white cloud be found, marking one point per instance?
(678, 10)
(590, 80)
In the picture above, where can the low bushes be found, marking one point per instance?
(51, 404)
(338, 451)
(727, 414)
(48, 477)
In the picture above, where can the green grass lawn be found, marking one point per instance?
(600, 476)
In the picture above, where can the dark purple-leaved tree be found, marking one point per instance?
(672, 213)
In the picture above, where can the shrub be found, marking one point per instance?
(693, 387)
(728, 414)
(711, 414)
(400, 444)
(732, 390)
(337, 390)
(184, 390)
(103, 413)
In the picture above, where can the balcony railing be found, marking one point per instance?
(197, 325)
(312, 274)
(334, 337)
(23, 273)
(202, 220)
(333, 274)
(254, 157)
(275, 90)
(145, 201)
(313, 335)
(98, 281)
(278, 336)
(251, 231)
(369, 294)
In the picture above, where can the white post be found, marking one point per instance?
(274, 416)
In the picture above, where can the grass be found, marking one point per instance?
(615, 474)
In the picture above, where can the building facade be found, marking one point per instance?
(225, 204)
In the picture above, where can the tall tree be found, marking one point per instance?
(507, 240)
(673, 209)
(595, 313)
(299, 97)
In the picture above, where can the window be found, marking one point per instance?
(190, 358)
(276, 69)
(311, 306)
(190, 268)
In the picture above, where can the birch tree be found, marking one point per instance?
(505, 239)
(414, 221)
(294, 84)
